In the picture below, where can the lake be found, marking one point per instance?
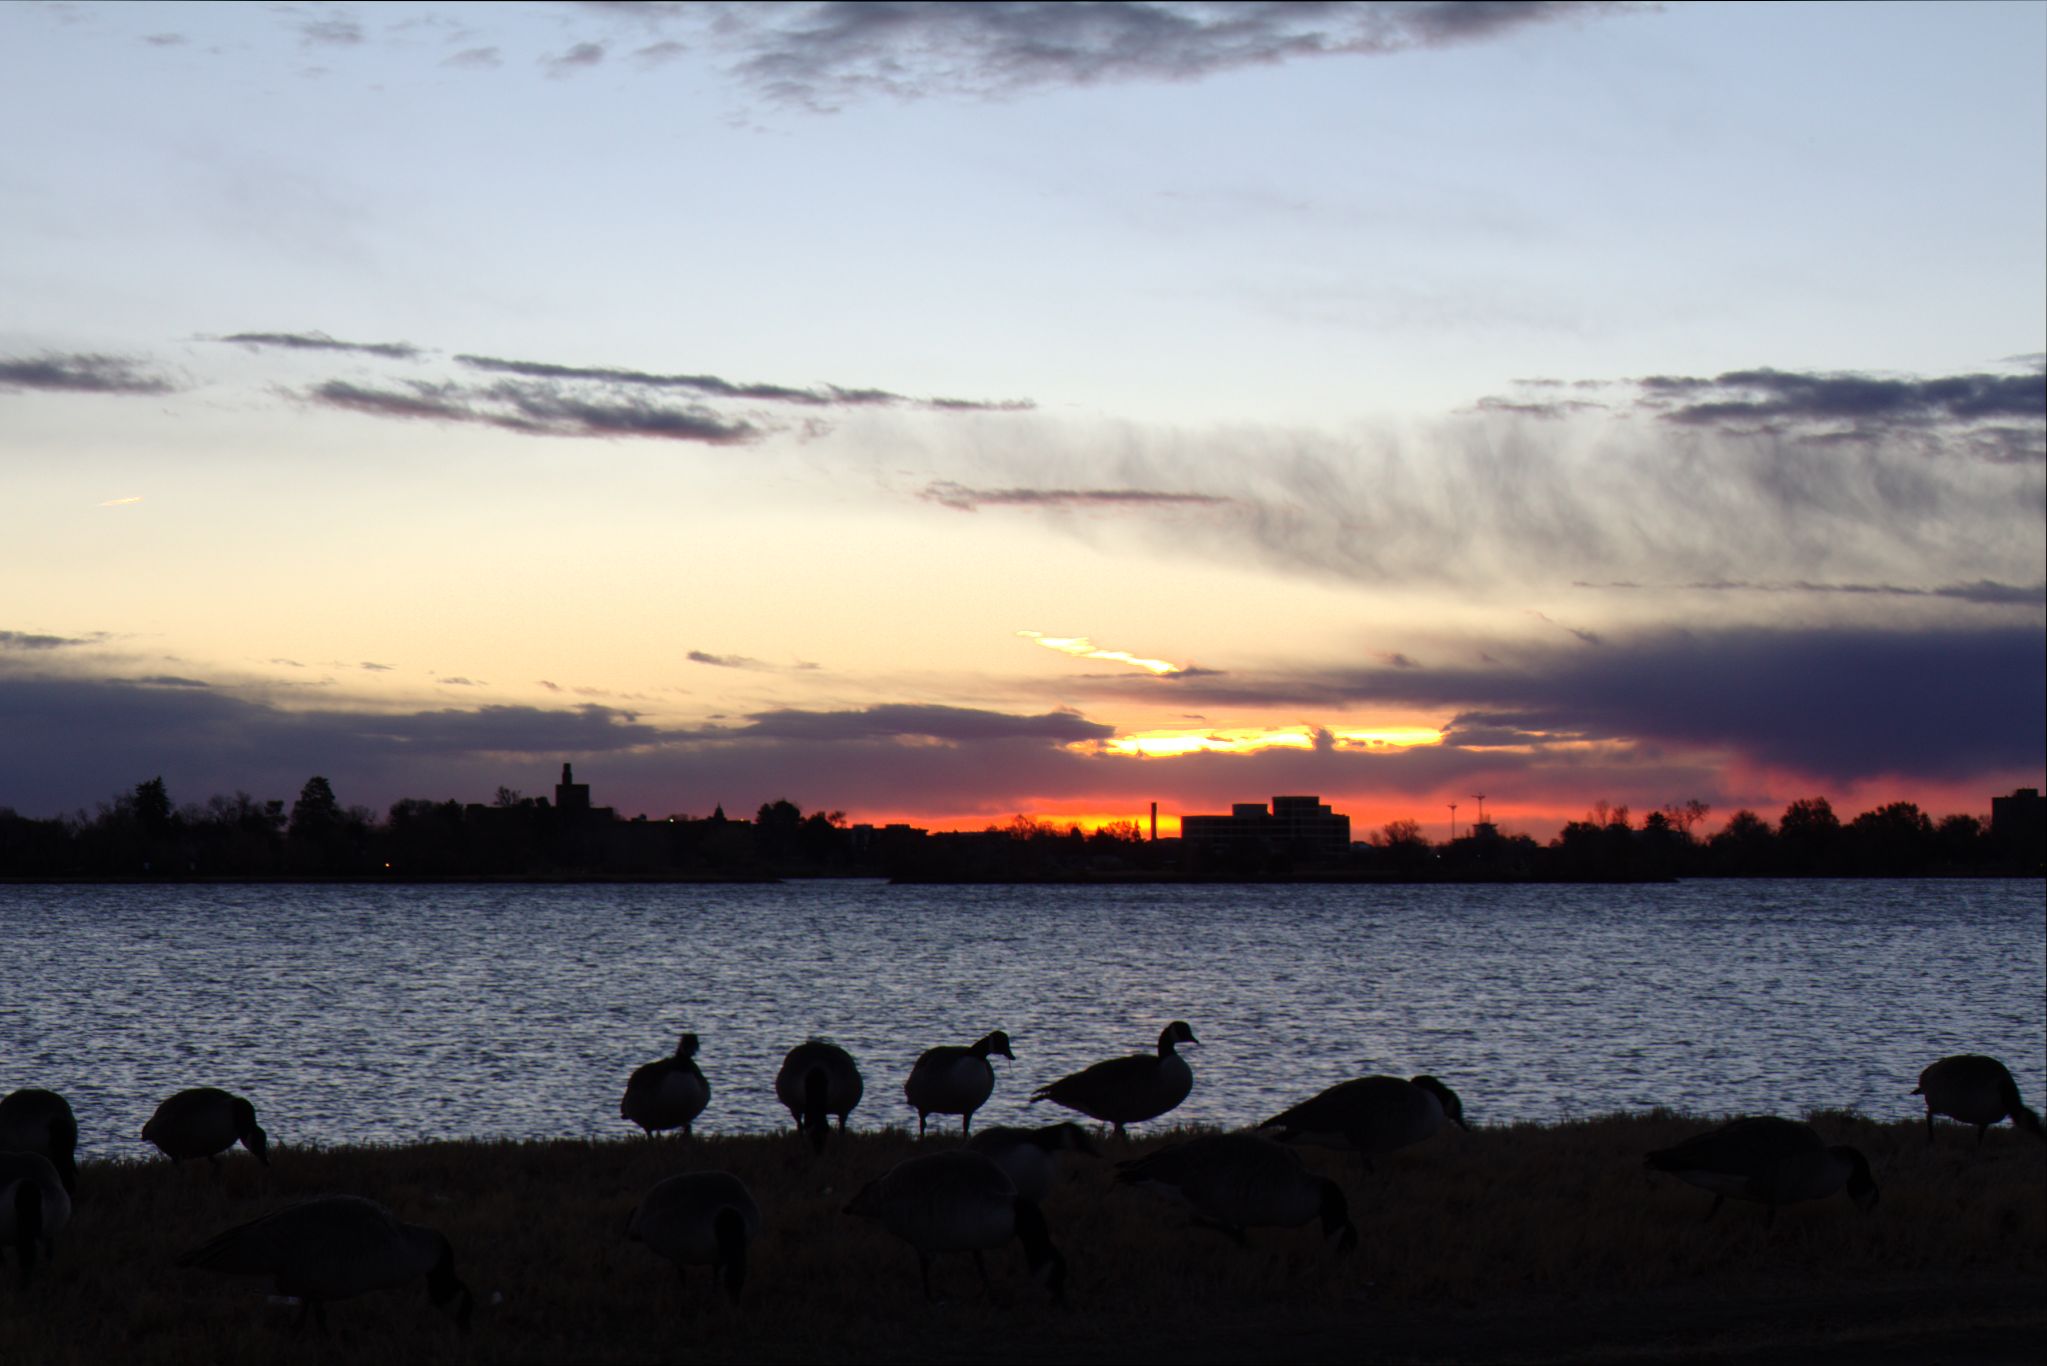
(395, 1013)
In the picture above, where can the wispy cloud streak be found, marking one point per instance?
(82, 373)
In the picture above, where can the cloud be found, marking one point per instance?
(914, 721)
(476, 58)
(374, 667)
(30, 640)
(165, 39)
(458, 681)
(1983, 592)
(1840, 703)
(1503, 503)
(711, 386)
(320, 341)
(80, 373)
(578, 58)
(537, 410)
(821, 55)
(332, 31)
(2000, 418)
(948, 494)
(724, 661)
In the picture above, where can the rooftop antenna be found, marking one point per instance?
(1479, 797)
(1453, 822)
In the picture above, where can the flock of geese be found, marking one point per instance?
(977, 1197)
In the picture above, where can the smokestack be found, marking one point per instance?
(1154, 822)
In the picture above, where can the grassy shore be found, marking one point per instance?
(1515, 1243)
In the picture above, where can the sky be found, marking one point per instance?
(943, 412)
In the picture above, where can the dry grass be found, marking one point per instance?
(1514, 1243)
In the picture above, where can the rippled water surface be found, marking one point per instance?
(355, 1014)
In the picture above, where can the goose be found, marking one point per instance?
(1976, 1090)
(1769, 1160)
(1124, 1091)
(1370, 1115)
(951, 1080)
(959, 1201)
(699, 1219)
(818, 1079)
(38, 1121)
(34, 1204)
(333, 1247)
(205, 1121)
(1027, 1155)
(667, 1093)
(1242, 1180)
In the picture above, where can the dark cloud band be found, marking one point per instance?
(81, 373)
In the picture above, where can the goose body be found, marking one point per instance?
(819, 1079)
(332, 1248)
(1975, 1090)
(38, 1121)
(1768, 1160)
(34, 1207)
(1028, 1156)
(1370, 1115)
(1239, 1181)
(668, 1093)
(1128, 1090)
(958, 1201)
(952, 1080)
(699, 1219)
(205, 1122)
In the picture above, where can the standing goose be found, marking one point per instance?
(1026, 1156)
(1124, 1091)
(818, 1079)
(959, 1201)
(1370, 1115)
(1238, 1181)
(34, 1205)
(1769, 1160)
(38, 1121)
(334, 1247)
(699, 1219)
(205, 1122)
(667, 1093)
(1976, 1090)
(951, 1080)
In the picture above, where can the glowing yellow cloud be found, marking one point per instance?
(1250, 739)
(121, 502)
(1084, 648)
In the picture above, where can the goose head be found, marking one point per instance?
(995, 1042)
(1862, 1188)
(249, 1131)
(1336, 1222)
(1179, 1031)
(1453, 1106)
(686, 1047)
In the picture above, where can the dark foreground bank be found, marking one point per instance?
(1518, 1243)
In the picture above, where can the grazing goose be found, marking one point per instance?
(1124, 1091)
(818, 1079)
(38, 1121)
(1026, 1156)
(699, 1219)
(1370, 1115)
(34, 1205)
(205, 1122)
(1976, 1090)
(1770, 1160)
(1238, 1181)
(667, 1093)
(334, 1247)
(951, 1080)
(959, 1201)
